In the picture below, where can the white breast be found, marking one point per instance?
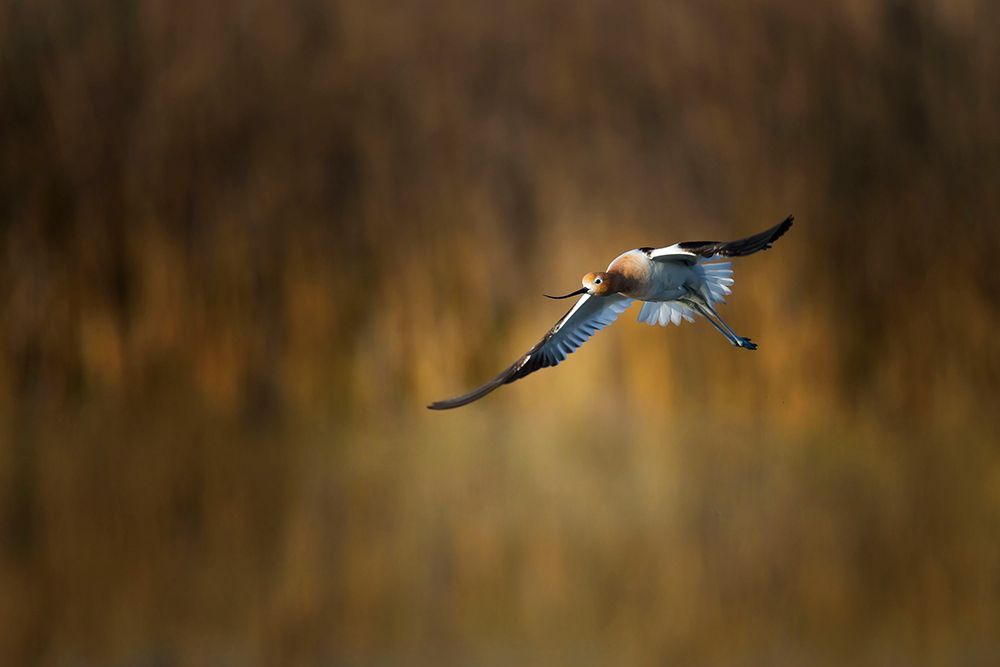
(667, 281)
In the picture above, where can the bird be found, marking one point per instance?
(676, 282)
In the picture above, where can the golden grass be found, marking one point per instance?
(228, 240)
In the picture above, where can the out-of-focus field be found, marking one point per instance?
(242, 245)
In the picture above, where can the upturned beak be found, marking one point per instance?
(582, 290)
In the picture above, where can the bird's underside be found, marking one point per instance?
(675, 283)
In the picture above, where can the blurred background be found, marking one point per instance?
(243, 244)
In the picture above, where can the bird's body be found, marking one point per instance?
(649, 280)
(675, 283)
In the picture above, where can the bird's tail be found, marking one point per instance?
(718, 277)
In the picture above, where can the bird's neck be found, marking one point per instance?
(622, 282)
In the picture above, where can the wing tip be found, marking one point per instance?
(458, 402)
(451, 403)
(780, 229)
(784, 226)
(475, 394)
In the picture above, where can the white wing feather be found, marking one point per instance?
(588, 316)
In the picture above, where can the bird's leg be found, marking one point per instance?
(743, 341)
(704, 313)
(732, 338)
(720, 325)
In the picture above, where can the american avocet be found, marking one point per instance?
(674, 283)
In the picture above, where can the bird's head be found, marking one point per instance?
(601, 283)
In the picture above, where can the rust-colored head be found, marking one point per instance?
(600, 283)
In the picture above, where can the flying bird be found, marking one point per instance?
(675, 283)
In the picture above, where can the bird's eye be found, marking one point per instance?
(597, 281)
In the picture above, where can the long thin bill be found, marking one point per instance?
(582, 290)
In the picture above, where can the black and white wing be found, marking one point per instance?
(690, 252)
(588, 315)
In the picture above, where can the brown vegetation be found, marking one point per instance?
(229, 236)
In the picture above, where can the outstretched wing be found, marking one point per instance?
(587, 316)
(690, 251)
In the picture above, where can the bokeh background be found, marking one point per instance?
(244, 243)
